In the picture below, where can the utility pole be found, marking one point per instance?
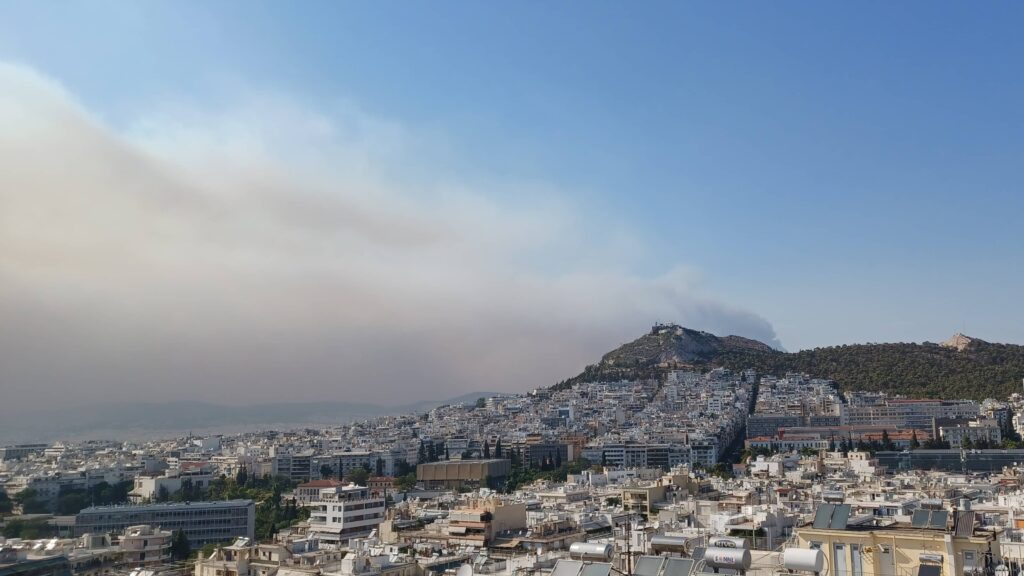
(629, 552)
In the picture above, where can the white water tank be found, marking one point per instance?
(735, 558)
(803, 560)
(590, 551)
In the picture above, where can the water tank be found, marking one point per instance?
(735, 558)
(590, 551)
(727, 542)
(662, 543)
(803, 559)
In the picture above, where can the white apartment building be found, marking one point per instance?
(341, 514)
(144, 545)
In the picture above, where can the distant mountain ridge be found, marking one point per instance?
(139, 420)
(961, 367)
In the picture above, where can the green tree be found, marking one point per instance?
(487, 449)
(180, 546)
(403, 468)
(914, 443)
(326, 471)
(405, 483)
(162, 494)
(28, 529)
(71, 502)
(497, 448)
(30, 502)
(241, 478)
(359, 475)
(380, 466)
(886, 442)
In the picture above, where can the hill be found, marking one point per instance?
(961, 367)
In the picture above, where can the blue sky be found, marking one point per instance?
(850, 172)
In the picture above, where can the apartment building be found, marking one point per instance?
(481, 521)
(934, 543)
(308, 492)
(146, 546)
(341, 514)
(296, 466)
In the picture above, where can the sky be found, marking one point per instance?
(386, 202)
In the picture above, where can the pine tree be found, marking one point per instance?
(487, 449)
(497, 448)
(326, 471)
(421, 455)
(180, 546)
(242, 476)
(914, 444)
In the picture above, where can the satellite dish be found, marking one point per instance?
(465, 570)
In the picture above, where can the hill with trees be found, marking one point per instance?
(961, 367)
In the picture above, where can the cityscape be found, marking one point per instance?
(454, 288)
(684, 472)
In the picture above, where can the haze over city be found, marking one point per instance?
(241, 201)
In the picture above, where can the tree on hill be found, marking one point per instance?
(976, 370)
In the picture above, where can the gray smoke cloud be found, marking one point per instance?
(266, 252)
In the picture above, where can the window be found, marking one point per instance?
(856, 562)
(839, 560)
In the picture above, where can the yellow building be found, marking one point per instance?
(935, 543)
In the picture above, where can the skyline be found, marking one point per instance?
(227, 198)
